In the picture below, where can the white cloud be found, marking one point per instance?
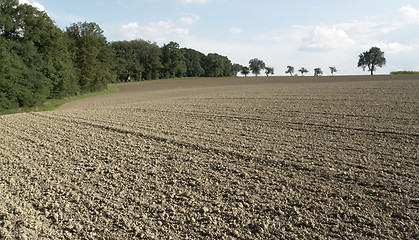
(393, 47)
(33, 3)
(235, 31)
(194, 1)
(190, 20)
(160, 32)
(410, 13)
(322, 38)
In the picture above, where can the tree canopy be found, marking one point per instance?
(269, 70)
(318, 72)
(245, 71)
(302, 71)
(372, 59)
(290, 70)
(256, 65)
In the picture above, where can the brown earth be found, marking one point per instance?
(230, 158)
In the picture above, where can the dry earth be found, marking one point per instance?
(230, 158)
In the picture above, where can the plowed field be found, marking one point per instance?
(229, 158)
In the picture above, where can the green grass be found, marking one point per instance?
(404, 72)
(53, 104)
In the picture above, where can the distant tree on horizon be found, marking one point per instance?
(256, 65)
(245, 71)
(269, 70)
(333, 70)
(302, 71)
(236, 68)
(290, 70)
(318, 72)
(372, 59)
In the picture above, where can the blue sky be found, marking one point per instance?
(305, 33)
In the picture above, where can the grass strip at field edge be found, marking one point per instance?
(53, 104)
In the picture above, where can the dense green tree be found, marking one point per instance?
(302, 71)
(91, 54)
(245, 71)
(217, 65)
(290, 70)
(137, 60)
(194, 61)
(269, 70)
(127, 64)
(372, 59)
(256, 65)
(39, 66)
(318, 72)
(173, 60)
(333, 70)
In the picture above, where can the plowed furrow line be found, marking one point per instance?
(164, 140)
(276, 122)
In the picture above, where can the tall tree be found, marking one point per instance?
(173, 60)
(269, 70)
(290, 70)
(333, 70)
(256, 65)
(194, 61)
(372, 59)
(91, 54)
(245, 71)
(318, 72)
(302, 71)
(217, 65)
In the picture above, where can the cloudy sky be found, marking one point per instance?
(303, 33)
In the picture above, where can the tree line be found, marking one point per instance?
(139, 60)
(371, 60)
(39, 61)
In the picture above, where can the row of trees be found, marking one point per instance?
(256, 66)
(303, 70)
(39, 61)
(142, 60)
(371, 59)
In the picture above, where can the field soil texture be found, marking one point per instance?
(218, 158)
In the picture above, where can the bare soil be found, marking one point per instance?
(228, 158)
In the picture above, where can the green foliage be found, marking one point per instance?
(256, 65)
(269, 70)
(194, 63)
(245, 71)
(217, 65)
(404, 72)
(236, 68)
(137, 60)
(302, 71)
(91, 54)
(141, 60)
(372, 59)
(318, 72)
(290, 70)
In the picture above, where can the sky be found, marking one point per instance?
(305, 33)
